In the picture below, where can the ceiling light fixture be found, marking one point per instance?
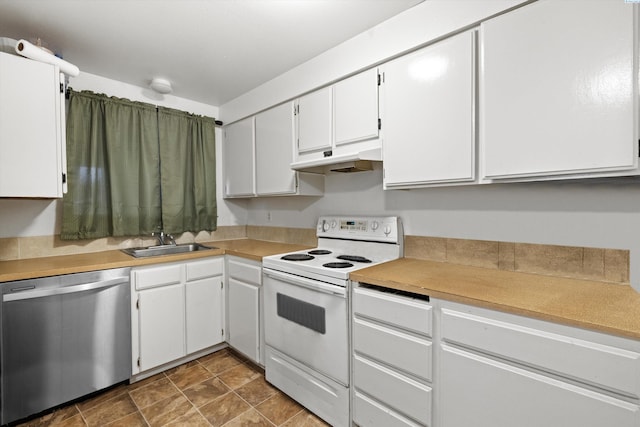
(161, 85)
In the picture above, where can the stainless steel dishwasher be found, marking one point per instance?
(63, 337)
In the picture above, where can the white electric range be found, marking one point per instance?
(306, 309)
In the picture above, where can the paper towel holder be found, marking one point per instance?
(161, 85)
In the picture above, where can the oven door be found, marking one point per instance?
(307, 320)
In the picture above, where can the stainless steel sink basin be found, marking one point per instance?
(165, 250)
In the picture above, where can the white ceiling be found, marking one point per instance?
(211, 50)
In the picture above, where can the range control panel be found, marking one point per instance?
(376, 229)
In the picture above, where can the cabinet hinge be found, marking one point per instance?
(379, 79)
(222, 332)
(379, 124)
(639, 148)
(138, 304)
(64, 178)
(221, 285)
(61, 87)
(138, 361)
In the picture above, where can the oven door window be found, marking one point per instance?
(303, 313)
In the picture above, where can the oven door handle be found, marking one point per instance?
(307, 283)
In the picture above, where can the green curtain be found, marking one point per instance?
(113, 174)
(134, 168)
(187, 170)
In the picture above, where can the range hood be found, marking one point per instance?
(351, 162)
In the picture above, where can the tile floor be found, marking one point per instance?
(221, 389)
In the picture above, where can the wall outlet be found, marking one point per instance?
(269, 216)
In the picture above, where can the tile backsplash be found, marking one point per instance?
(13, 248)
(608, 265)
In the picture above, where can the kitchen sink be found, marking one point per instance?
(166, 250)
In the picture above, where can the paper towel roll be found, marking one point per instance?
(28, 50)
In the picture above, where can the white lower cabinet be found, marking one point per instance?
(204, 304)
(161, 333)
(177, 310)
(392, 358)
(244, 312)
(497, 369)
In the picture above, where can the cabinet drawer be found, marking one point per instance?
(162, 275)
(605, 366)
(478, 391)
(403, 351)
(205, 268)
(402, 311)
(369, 413)
(400, 393)
(245, 272)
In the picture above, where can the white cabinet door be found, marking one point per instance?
(161, 325)
(478, 391)
(243, 318)
(203, 313)
(355, 108)
(558, 90)
(314, 121)
(428, 123)
(275, 130)
(31, 121)
(238, 159)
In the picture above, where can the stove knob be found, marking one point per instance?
(375, 225)
(334, 223)
(325, 226)
(387, 230)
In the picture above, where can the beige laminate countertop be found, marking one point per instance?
(66, 264)
(610, 308)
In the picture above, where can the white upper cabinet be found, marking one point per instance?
(428, 126)
(558, 91)
(32, 146)
(314, 121)
(238, 159)
(257, 156)
(275, 130)
(338, 123)
(355, 108)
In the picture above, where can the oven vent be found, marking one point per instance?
(355, 166)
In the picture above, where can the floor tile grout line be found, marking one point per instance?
(84, 417)
(253, 366)
(254, 407)
(139, 408)
(232, 390)
(193, 405)
(84, 420)
(196, 408)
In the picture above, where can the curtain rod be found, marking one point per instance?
(67, 93)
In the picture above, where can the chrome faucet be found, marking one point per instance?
(163, 238)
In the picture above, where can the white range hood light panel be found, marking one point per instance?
(373, 154)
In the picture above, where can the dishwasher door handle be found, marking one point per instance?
(24, 295)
